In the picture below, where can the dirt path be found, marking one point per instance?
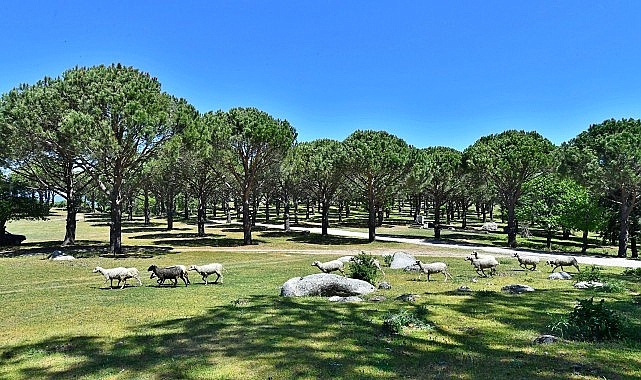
(504, 252)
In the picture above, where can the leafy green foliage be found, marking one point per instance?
(607, 158)
(252, 144)
(362, 268)
(509, 160)
(591, 273)
(17, 202)
(590, 321)
(317, 165)
(377, 164)
(394, 323)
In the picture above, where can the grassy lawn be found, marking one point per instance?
(61, 321)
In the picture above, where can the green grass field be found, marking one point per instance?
(61, 321)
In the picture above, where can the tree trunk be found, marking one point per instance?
(247, 226)
(146, 207)
(437, 220)
(115, 228)
(511, 227)
(548, 240)
(202, 200)
(296, 211)
(626, 209)
(307, 210)
(70, 226)
(371, 220)
(325, 218)
(286, 220)
(267, 216)
(584, 240)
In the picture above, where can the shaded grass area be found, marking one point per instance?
(68, 324)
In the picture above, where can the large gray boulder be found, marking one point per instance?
(401, 260)
(326, 285)
(560, 276)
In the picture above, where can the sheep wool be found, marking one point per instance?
(437, 267)
(484, 263)
(120, 273)
(330, 266)
(525, 260)
(564, 261)
(206, 270)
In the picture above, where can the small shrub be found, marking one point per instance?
(613, 287)
(591, 273)
(363, 268)
(589, 321)
(394, 323)
(387, 260)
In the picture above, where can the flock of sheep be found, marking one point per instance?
(175, 272)
(480, 264)
(172, 273)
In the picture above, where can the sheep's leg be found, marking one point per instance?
(186, 281)
(186, 276)
(577, 268)
(205, 278)
(111, 284)
(123, 283)
(139, 282)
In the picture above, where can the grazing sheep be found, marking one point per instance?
(437, 267)
(484, 263)
(375, 262)
(206, 270)
(525, 260)
(329, 266)
(169, 273)
(120, 273)
(564, 261)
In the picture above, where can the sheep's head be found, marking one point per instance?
(516, 254)
(316, 263)
(192, 267)
(96, 269)
(152, 267)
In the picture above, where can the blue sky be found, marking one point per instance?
(433, 73)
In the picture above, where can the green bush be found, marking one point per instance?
(613, 287)
(362, 268)
(591, 273)
(393, 323)
(387, 260)
(590, 321)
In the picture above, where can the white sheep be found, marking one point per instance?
(329, 266)
(483, 263)
(119, 273)
(563, 261)
(437, 267)
(525, 260)
(206, 270)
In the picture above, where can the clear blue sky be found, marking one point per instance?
(433, 73)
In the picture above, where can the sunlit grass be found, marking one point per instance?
(61, 321)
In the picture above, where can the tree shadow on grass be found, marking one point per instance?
(292, 338)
